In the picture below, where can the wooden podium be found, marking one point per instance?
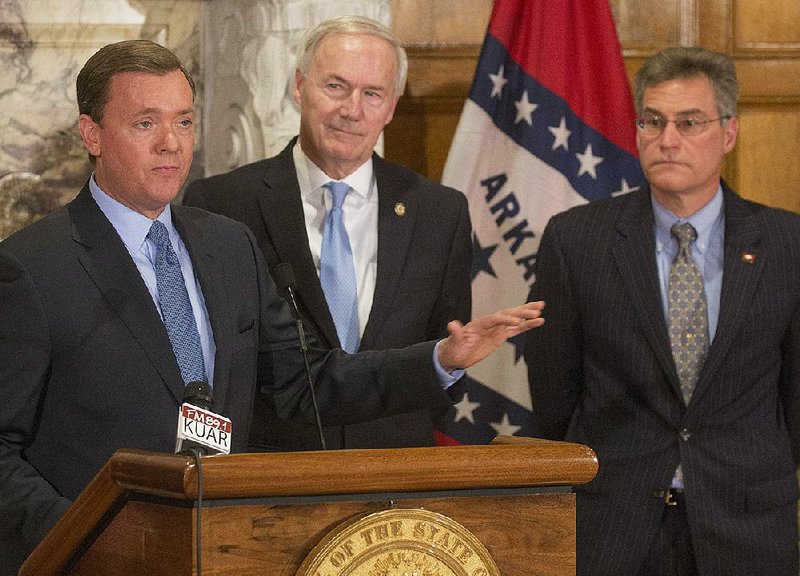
(267, 513)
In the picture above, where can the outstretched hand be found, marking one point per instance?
(467, 345)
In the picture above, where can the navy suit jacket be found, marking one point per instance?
(423, 279)
(86, 365)
(601, 373)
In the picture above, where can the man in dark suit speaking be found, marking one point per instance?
(409, 239)
(110, 305)
(672, 347)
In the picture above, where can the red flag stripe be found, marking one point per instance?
(563, 44)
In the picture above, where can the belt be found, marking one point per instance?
(670, 496)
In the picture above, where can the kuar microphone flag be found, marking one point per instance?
(549, 124)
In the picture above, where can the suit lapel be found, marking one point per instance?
(282, 210)
(207, 264)
(740, 278)
(107, 262)
(397, 213)
(634, 254)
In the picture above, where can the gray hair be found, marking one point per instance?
(685, 62)
(353, 25)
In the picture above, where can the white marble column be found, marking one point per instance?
(248, 67)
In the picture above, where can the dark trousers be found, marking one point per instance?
(672, 553)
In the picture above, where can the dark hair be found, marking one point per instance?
(685, 62)
(95, 77)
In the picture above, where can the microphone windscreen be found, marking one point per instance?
(200, 394)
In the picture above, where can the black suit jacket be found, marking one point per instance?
(86, 365)
(601, 373)
(423, 278)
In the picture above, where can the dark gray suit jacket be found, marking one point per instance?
(601, 373)
(423, 279)
(86, 365)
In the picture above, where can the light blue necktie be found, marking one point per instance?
(337, 273)
(176, 308)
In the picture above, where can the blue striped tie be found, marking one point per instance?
(176, 309)
(337, 273)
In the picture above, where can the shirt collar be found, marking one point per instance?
(703, 221)
(311, 178)
(131, 226)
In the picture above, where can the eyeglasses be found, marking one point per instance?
(691, 125)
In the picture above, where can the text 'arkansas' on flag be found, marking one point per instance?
(549, 124)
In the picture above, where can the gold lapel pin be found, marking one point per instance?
(748, 258)
(400, 209)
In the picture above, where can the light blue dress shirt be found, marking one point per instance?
(132, 228)
(707, 251)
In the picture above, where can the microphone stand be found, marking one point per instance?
(301, 333)
(284, 278)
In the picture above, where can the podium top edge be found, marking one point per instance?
(509, 462)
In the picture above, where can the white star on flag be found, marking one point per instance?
(588, 162)
(624, 188)
(561, 134)
(505, 427)
(498, 81)
(465, 408)
(525, 109)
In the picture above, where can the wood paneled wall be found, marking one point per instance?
(443, 40)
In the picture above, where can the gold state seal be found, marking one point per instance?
(400, 542)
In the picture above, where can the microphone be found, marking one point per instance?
(199, 428)
(283, 275)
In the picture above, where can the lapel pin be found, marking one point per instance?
(748, 258)
(400, 209)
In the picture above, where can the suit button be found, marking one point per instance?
(685, 435)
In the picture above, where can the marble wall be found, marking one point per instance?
(240, 53)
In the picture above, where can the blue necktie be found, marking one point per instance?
(337, 273)
(176, 308)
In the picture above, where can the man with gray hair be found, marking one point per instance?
(672, 347)
(390, 267)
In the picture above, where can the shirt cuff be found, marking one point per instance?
(446, 379)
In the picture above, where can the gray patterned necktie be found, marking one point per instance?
(176, 308)
(688, 312)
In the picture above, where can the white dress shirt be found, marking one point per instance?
(360, 220)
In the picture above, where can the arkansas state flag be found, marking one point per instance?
(549, 124)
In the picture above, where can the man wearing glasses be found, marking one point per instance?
(672, 347)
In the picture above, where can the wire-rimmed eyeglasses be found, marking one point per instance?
(650, 124)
